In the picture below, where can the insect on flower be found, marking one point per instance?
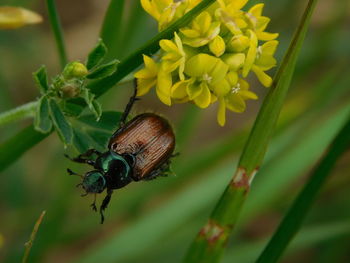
(140, 150)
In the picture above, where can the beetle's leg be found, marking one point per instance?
(105, 203)
(129, 105)
(82, 158)
(163, 170)
(93, 205)
(70, 172)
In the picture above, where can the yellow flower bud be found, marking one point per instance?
(75, 70)
(217, 46)
(14, 17)
(238, 43)
(234, 61)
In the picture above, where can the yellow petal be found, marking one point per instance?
(235, 103)
(238, 43)
(256, 10)
(144, 86)
(203, 100)
(191, 33)
(251, 55)
(217, 46)
(168, 45)
(150, 64)
(150, 9)
(163, 88)
(232, 78)
(178, 90)
(200, 64)
(221, 115)
(265, 36)
(193, 90)
(234, 61)
(265, 79)
(15, 17)
(246, 94)
(221, 88)
(144, 74)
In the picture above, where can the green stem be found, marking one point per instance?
(302, 204)
(22, 112)
(57, 30)
(211, 241)
(28, 245)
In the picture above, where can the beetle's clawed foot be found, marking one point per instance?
(93, 206)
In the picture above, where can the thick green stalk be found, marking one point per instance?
(22, 112)
(298, 211)
(57, 30)
(100, 87)
(212, 238)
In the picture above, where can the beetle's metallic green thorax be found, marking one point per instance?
(117, 170)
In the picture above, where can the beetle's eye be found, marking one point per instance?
(94, 182)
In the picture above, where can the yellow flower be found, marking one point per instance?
(209, 60)
(14, 17)
(231, 15)
(146, 77)
(259, 23)
(174, 56)
(205, 72)
(235, 99)
(265, 61)
(201, 32)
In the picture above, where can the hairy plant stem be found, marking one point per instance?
(19, 113)
(57, 30)
(211, 241)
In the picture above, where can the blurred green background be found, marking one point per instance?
(156, 221)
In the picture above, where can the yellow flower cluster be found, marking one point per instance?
(208, 60)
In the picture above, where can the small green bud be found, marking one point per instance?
(75, 69)
(238, 43)
(234, 61)
(217, 46)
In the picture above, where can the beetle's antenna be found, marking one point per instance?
(70, 172)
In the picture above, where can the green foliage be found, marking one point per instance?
(42, 121)
(62, 127)
(40, 78)
(97, 55)
(104, 70)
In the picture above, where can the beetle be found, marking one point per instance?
(140, 150)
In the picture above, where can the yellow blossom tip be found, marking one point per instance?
(15, 17)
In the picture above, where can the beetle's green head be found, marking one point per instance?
(94, 182)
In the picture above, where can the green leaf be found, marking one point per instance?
(42, 122)
(109, 120)
(112, 27)
(40, 78)
(96, 109)
(96, 56)
(302, 204)
(62, 126)
(100, 138)
(104, 70)
(81, 141)
(88, 96)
